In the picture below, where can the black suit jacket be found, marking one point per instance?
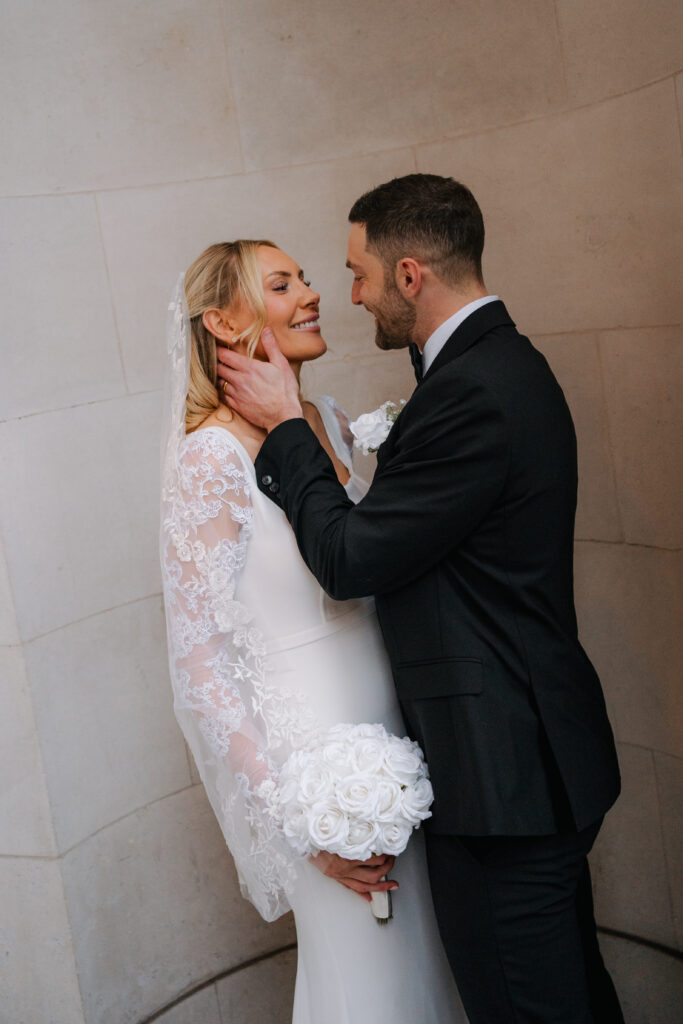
(466, 540)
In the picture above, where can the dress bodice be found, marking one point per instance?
(290, 603)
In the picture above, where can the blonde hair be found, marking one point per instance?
(223, 276)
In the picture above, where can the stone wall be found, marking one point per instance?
(136, 134)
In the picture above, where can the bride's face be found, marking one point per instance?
(291, 307)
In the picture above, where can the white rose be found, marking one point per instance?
(287, 790)
(357, 796)
(294, 765)
(336, 733)
(337, 756)
(416, 801)
(368, 755)
(315, 783)
(403, 762)
(361, 840)
(327, 827)
(370, 430)
(295, 827)
(393, 838)
(367, 731)
(390, 802)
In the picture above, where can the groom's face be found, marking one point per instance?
(375, 289)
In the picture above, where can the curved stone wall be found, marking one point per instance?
(134, 136)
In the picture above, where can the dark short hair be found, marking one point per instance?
(434, 219)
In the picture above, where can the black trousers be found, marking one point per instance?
(516, 918)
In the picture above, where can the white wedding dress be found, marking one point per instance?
(260, 659)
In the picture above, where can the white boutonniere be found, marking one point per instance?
(372, 428)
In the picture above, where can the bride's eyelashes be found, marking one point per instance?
(284, 286)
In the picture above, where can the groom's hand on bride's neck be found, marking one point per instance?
(362, 876)
(265, 392)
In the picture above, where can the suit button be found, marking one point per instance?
(274, 488)
(266, 480)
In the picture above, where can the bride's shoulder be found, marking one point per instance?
(213, 445)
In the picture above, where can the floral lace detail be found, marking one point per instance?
(239, 726)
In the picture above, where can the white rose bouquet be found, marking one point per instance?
(356, 791)
(372, 428)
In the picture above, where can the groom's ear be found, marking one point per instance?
(408, 277)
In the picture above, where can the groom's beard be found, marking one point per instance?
(395, 319)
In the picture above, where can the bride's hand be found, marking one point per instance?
(266, 393)
(362, 876)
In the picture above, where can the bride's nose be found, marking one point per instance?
(310, 298)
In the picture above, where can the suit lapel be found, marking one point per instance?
(477, 324)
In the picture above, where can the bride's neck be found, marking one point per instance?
(231, 419)
(228, 417)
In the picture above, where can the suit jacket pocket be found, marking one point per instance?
(441, 677)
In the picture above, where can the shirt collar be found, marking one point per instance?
(438, 339)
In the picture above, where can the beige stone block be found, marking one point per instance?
(199, 1008)
(62, 347)
(155, 910)
(104, 709)
(618, 45)
(572, 216)
(25, 823)
(649, 983)
(260, 992)
(670, 787)
(79, 509)
(38, 983)
(575, 361)
(643, 374)
(628, 865)
(361, 80)
(104, 95)
(152, 235)
(9, 634)
(629, 602)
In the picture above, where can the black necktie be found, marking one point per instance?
(416, 360)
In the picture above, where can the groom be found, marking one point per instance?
(465, 539)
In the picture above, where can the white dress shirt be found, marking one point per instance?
(436, 341)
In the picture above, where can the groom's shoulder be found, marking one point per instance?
(503, 367)
(504, 354)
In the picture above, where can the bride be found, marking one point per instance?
(261, 658)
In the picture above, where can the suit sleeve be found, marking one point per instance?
(445, 472)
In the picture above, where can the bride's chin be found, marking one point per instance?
(315, 352)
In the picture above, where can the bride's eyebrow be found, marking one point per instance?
(283, 273)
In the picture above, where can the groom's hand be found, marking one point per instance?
(363, 876)
(265, 392)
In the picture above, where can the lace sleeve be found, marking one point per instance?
(217, 659)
